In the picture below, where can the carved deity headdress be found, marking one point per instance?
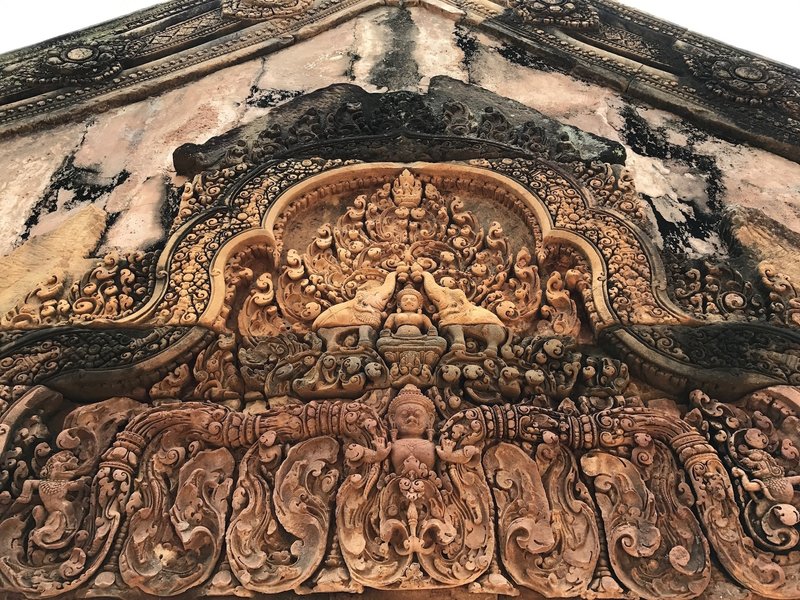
(411, 394)
(409, 291)
(407, 190)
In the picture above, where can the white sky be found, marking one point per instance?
(767, 27)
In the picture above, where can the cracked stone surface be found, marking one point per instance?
(120, 161)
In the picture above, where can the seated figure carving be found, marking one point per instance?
(409, 342)
(409, 320)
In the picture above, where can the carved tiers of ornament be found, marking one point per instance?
(613, 189)
(339, 496)
(123, 60)
(746, 80)
(568, 14)
(397, 376)
(386, 222)
(264, 9)
(405, 288)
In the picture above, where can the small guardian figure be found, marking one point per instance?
(59, 516)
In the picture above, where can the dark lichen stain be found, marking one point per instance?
(269, 97)
(398, 69)
(111, 218)
(351, 66)
(85, 184)
(171, 205)
(468, 44)
(524, 59)
(652, 142)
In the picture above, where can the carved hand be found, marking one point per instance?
(358, 454)
(447, 452)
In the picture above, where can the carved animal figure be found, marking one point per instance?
(454, 307)
(457, 316)
(58, 517)
(365, 309)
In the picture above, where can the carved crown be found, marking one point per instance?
(409, 291)
(411, 394)
(407, 190)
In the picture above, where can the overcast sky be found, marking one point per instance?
(767, 27)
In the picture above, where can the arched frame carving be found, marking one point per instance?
(605, 314)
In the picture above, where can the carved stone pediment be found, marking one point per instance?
(349, 371)
(143, 54)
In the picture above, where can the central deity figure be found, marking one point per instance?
(411, 417)
(409, 320)
(409, 341)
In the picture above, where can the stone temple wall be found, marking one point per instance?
(313, 297)
(120, 163)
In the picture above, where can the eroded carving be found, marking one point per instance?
(264, 9)
(115, 288)
(569, 14)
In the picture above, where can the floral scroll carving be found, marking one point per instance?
(179, 552)
(277, 541)
(392, 501)
(655, 543)
(550, 547)
(394, 379)
(114, 288)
